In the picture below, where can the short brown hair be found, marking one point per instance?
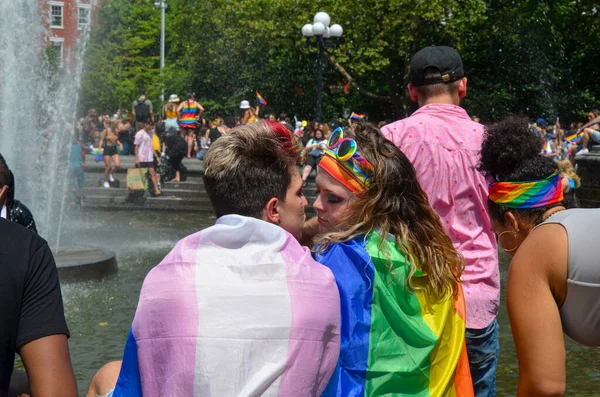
(432, 90)
(246, 168)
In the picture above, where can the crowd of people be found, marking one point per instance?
(400, 292)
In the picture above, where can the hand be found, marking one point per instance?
(120, 147)
(137, 163)
(158, 161)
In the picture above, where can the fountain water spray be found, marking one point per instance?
(37, 112)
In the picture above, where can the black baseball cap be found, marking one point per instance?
(443, 58)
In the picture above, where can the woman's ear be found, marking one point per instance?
(510, 222)
(271, 211)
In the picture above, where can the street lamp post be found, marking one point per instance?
(162, 4)
(326, 37)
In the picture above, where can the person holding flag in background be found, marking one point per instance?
(250, 115)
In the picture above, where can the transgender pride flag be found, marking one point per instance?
(238, 309)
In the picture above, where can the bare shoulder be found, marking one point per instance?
(544, 254)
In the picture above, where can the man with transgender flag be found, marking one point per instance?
(239, 308)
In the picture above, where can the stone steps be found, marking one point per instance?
(185, 196)
(166, 191)
(152, 203)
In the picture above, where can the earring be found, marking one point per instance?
(278, 222)
(514, 234)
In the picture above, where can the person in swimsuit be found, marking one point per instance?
(111, 145)
(553, 281)
(403, 309)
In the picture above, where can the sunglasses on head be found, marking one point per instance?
(345, 148)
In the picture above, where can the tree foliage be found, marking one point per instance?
(532, 57)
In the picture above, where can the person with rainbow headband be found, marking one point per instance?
(402, 305)
(553, 281)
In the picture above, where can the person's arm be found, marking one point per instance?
(84, 148)
(136, 150)
(48, 367)
(257, 111)
(535, 289)
(200, 108)
(133, 109)
(179, 111)
(591, 123)
(151, 110)
(245, 118)
(42, 338)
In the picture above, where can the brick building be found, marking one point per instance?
(65, 21)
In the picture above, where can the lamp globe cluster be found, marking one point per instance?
(320, 27)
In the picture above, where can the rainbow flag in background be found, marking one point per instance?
(357, 116)
(238, 309)
(574, 138)
(394, 342)
(260, 99)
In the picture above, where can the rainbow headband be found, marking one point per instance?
(344, 172)
(528, 194)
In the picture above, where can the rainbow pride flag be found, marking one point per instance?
(260, 99)
(357, 116)
(574, 138)
(238, 309)
(547, 148)
(394, 342)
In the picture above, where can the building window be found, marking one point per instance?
(83, 17)
(56, 14)
(58, 45)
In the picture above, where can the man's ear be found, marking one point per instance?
(271, 211)
(462, 88)
(412, 92)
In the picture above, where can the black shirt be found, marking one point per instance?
(31, 304)
(214, 134)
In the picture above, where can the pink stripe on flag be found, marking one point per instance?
(314, 343)
(166, 323)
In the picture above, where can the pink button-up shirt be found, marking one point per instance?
(443, 145)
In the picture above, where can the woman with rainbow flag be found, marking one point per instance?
(554, 278)
(403, 310)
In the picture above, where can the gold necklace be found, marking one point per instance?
(545, 218)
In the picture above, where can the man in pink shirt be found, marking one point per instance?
(443, 144)
(145, 154)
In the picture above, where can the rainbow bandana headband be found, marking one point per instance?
(344, 172)
(528, 194)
